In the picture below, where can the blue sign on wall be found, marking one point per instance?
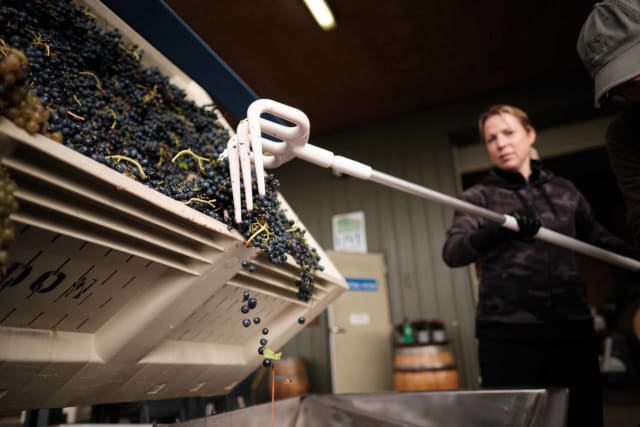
(362, 284)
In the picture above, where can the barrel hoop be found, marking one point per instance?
(424, 349)
(422, 345)
(426, 368)
(294, 375)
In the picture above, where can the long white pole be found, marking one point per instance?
(294, 144)
(506, 221)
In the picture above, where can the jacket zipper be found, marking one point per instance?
(531, 201)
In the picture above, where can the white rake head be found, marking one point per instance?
(245, 149)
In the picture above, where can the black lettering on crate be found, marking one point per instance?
(39, 286)
(16, 273)
(77, 288)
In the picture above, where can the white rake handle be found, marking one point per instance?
(294, 144)
(507, 221)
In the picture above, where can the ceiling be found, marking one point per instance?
(389, 57)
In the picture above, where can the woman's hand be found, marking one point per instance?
(493, 234)
(528, 224)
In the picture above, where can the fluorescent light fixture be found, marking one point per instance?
(321, 13)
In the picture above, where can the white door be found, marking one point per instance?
(360, 326)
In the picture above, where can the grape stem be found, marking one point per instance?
(117, 158)
(115, 117)
(188, 151)
(39, 41)
(150, 95)
(196, 199)
(98, 82)
(257, 228)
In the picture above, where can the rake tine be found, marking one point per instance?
(245, 163)
(256, 147)
(234, 171)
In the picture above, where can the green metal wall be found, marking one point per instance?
(408, 230)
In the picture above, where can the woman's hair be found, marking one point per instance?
(504, 109)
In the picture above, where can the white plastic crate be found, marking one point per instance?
(116, 292)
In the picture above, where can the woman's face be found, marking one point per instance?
(509, 143)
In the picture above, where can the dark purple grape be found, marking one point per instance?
(246, 323)
(105, 104)
(256, 320)
(244, 309)
(252, 303)
(301, 320)
(265, 331)
(266, 363)
(263, 341)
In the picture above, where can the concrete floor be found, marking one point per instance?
(622, 415)
(621, 407)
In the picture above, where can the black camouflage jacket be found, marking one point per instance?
(528, 283)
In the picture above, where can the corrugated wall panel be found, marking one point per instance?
(408, 230)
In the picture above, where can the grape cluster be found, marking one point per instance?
(18, 103)
(268, 228)
(12, 98)
(8, 204)
(103, 103)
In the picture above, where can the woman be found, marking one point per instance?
(533, 325)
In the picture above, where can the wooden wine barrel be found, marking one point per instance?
(424, 367)
(291, 378)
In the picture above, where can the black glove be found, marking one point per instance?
(528, 225)
(493, 234)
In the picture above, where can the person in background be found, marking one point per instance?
(533, 324)
(609, 47)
